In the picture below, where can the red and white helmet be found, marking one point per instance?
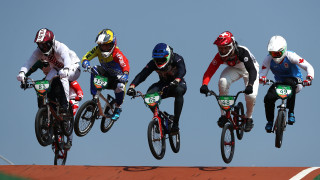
(45, 40)
(225, 40)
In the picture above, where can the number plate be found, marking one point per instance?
(284, 91)
(152, 99)
(42, 86)
(226, 102)
(100, 82)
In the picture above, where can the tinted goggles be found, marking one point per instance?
(276, 54)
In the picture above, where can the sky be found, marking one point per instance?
(189, 27)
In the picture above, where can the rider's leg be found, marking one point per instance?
(119, 94)
(291, 100)
(155, 87)
(269, 104)
(227, 77)
(177, 92)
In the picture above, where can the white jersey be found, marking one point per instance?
(62, 57)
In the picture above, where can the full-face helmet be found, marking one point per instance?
(226, 44)
(106, 41)
(45, 40)
(277, 48)
(161, 55)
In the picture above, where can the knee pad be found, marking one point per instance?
(120, 88)
(223, 86)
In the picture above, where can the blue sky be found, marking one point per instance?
(190, 27)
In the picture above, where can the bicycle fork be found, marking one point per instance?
(156, 116)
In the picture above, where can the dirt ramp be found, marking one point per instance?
(149, 172)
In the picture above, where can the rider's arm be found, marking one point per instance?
(265, 66)
(214, 65)
(90, 54)
(32, 60)
(180, 66)
(302, 63)
(142, 76)
(245, 57)
(122, 60)
(34, 68)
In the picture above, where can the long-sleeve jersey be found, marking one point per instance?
(116, 64)
(176, 69)
(244, 60)
(35, 67)
(289, 67)
(62, 57)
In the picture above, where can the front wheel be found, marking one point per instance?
(43, 128)
(239, 120)
(85, 118)
(227, 143)
(157, 144)
(280, 125)
(106, 122)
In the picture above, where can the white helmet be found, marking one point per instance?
(277, 48)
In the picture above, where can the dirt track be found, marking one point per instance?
(153, 172)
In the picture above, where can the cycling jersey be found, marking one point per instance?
(176, 69)
(245, 60)
(116, 64)
(289, 67)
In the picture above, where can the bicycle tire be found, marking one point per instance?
(60, 153)
(157, 145)
(80, 119)
(43, 128)
(227, 143)
(240, 111)
(67, 124)
(106, 122)
(175, 142)
(280, 125)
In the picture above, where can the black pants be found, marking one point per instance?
(176, 92)
(271, 97)
(57, 92)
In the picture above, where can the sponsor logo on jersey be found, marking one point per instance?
(53, 60)
(245, 59)
(301, 61)
(122, 63)
(286, 65)
(214, 62)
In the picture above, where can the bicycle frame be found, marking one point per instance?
(229, 109)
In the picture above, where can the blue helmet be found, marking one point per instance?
(161, 55)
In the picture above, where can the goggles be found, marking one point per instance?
(276, 54)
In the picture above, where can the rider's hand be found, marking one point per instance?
(123, 78)
(249, 89)
(204, 89)
(85, 64)
(263, 80)
(308, 81)
(21, 76)
(175, 82)
(131, 91)
(64, 72)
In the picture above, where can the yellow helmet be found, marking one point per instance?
(106, 41)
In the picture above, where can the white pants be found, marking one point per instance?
(230, 75)
(74, 73)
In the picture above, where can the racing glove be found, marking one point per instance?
(263, 80)
(21, 76)
(131, 92)
(85, 64)
(308, 81)
(204, 89)
(64, 72)
(123, 78)
(249, 89)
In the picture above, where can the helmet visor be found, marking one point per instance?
(161, 61)
(45, 46)
(276, 54)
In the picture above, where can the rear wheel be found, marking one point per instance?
(239, 121)
(43, 128)
(227, 143)
(85, 118)
(280, 126)
(106, 122)
(157, 144)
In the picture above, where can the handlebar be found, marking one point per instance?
(210, 93)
